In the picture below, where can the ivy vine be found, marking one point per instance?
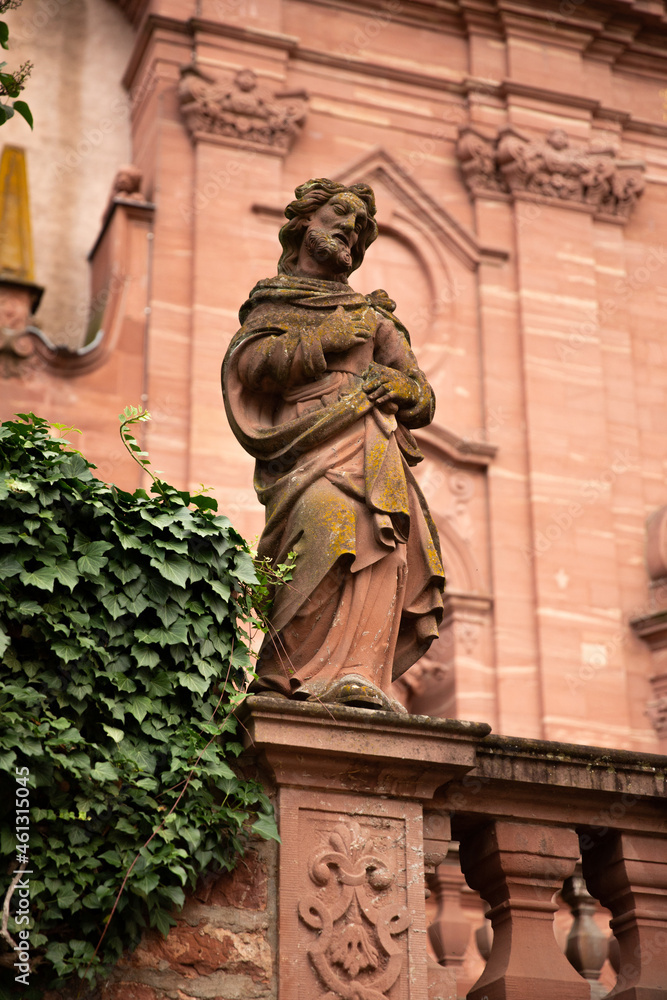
(122, 661)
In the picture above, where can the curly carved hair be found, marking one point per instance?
(311, 196)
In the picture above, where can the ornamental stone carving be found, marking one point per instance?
(552, 169)
(356, 914)
(18, 357)
(240, 111)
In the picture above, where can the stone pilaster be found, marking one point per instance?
(350, 788)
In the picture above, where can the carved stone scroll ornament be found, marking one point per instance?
(357, 914)
(550, 169)
(240, 110)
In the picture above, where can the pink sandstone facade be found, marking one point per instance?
(517, 151)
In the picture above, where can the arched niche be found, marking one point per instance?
(397, 264)
(427, 261)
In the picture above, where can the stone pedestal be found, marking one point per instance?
(351, 784)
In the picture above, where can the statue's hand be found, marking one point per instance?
(389, 389)
(343, 330)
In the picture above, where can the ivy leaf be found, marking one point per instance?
(175, 570)
(93, 560)
(266, 827)
(145, 657)
(43, 577)
(24, 110)
(67, 573)
(116, 734)
(147, 884)
(175, 894)
(9, 566)
(104, 771)
(140, 706)
(193, 682)
(116, 604)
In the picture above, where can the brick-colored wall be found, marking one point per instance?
(223, 945)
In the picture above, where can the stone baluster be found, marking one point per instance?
(450, 931)
(517, 868)
(627, 872)
(586, 946)
(484, 936)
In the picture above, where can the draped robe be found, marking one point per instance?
(333, 471)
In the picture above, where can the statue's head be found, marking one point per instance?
(310, 198)
(558, 139)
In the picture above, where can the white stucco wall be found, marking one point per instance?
(79, 49)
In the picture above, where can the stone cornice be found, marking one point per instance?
(427, 751)
(256, 36)
(506, 91)
(387, 71)
(443, 16)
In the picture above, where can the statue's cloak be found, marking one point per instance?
(333, 471)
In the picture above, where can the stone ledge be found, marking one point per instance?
(357, 749)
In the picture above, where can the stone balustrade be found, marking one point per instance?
(365, 798)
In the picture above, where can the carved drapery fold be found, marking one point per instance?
(551, 169)
(240, 111)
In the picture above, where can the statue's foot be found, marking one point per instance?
(352, 690)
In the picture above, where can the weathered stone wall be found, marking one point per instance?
(223, 946)
(79, 49)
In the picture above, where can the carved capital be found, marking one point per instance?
(240, 111)
(553, 170)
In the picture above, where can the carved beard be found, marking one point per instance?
(323, 247)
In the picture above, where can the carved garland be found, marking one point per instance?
(240, 111)
(552, 170)
(356, 915)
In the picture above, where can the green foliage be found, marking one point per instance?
(12, 83)
(121, 664)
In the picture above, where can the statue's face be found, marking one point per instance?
(557, 138)
(332, 232)
(342, 217)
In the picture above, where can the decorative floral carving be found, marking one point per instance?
(477, 155)
(357, 914)
(241, 110)
(551, 169)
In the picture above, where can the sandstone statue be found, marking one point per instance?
(321, 388)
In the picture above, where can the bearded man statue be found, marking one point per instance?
(321, 387)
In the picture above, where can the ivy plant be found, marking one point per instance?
(122, 660)
(12, 82)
